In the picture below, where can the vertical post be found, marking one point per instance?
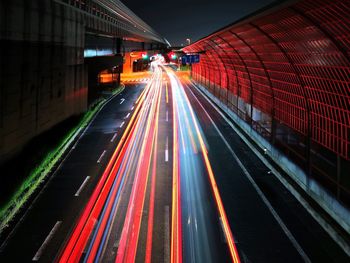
(308, 160)
(273, 130)
(118, 45)
(338, 175)
(190, 70)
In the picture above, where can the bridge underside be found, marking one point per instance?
(43, 71)
(285, 73)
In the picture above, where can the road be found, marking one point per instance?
(160, 176)
(60, 200)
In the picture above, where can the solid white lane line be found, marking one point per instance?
(127, 115)
(82, 186)
(166, 235)
(101, 156)
(257, 189)
(167, 116)
(122, 124)
(166, 150)
(46, 241)
(114, 136)
(122, 100)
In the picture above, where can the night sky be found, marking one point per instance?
(194, 19)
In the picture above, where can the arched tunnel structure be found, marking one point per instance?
(284, 75)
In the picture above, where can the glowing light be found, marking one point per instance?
(176, 232)
(130, 234)
(172, 55)
(183, 109)
(88, 219)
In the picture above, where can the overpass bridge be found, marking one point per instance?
(51, 53)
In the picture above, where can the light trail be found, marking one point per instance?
(130, 234)
(176, 229)
(129, 172)
(80, 235)
(227, 229)
(187, 124)
(137, 179)
(148, 255)
(166, 93)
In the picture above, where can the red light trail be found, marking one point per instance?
(135, 161)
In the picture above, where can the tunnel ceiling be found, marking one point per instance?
(292, 62)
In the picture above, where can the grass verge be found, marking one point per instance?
(38, 175)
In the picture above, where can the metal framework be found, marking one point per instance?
(290, 63)
(113, 17)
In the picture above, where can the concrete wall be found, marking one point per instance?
(43, 79)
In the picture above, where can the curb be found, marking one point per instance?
(36, 181)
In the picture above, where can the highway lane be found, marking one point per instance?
(203, 220)
(268, 223)
(160, 176)
(127, 178)
(119, 199)
(153, 224)
(64, 195)
(117, 224)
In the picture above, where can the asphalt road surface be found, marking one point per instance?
(160, 176)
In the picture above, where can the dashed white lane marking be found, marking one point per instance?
(82, 186)
(166, 150)
(167, 116)
(127, 115)
(132, 108)
(114, 136)
(122, 124)
(58, 168)
(46, 241)
(101, 156)
(122, 100)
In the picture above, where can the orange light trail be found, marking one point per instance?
(74, 248)
(227, 230)
(184, 101)
(148, 255)
(176, 232)
(130, 234)
(166, 92)
(140, 136)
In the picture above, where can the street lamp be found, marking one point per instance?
(188, 41)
